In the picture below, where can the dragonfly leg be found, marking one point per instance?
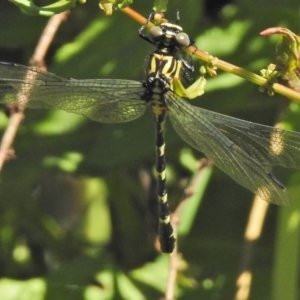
(142, 29)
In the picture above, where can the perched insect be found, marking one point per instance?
(245, 151)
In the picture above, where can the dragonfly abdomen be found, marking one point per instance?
(166, 235)
(156, 89)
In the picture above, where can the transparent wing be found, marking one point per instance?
(269, 145)
(102, 100)
(241, 149)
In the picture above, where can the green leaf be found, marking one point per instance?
(33, 289)
(28, 7)
(160, 5)
(200, 182)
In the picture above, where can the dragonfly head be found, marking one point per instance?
(169, 36)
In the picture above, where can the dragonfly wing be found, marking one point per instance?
(191, 124)
(269, 145)
(102, 100)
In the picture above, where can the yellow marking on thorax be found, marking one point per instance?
(170, 67)
(178, 69)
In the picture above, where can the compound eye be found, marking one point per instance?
(155, 33)
(182, 40)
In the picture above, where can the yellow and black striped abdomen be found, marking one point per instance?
(166, 235)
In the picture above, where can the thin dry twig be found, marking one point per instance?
(37, 60)
(173, 269)
(252, 234)
(46, 39)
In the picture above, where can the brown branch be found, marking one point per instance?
(46, 39)
(17, 113)
(134, 15)
(173, 269)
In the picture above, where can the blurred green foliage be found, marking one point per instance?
(28, 7)
(78, 202)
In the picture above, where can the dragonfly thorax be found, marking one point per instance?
(164, 67)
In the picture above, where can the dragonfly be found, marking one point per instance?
(244, 150)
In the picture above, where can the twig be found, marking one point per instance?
(252, 77)
(17, 113)
(46, 39)
(252, 234)
(135, 15)
(173, 269)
